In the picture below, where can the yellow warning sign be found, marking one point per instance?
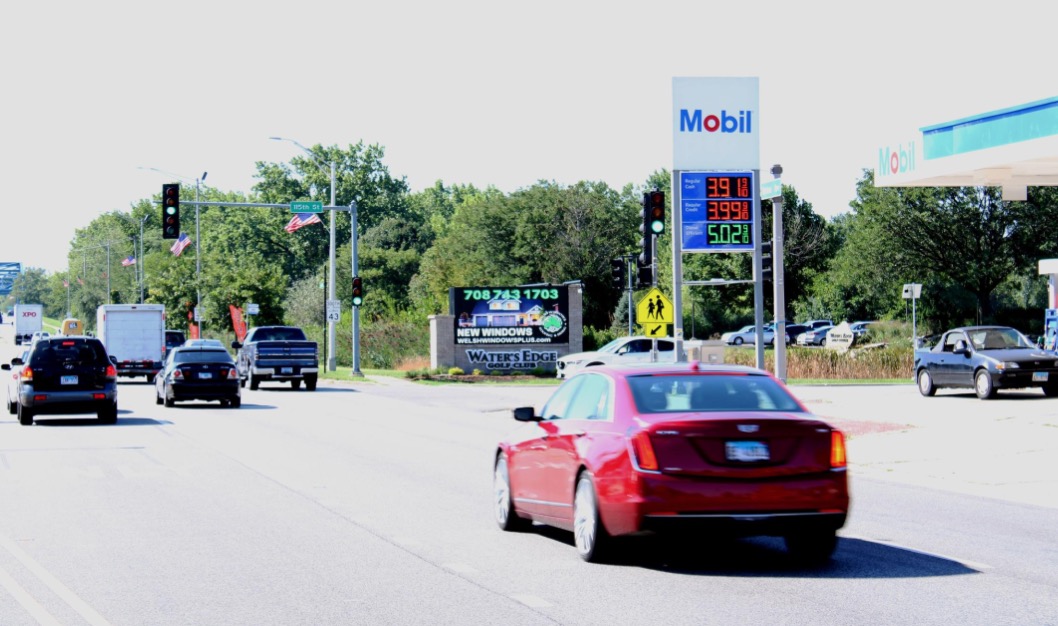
(654, 308)
(655, 330)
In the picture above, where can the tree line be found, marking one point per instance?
(974, 253)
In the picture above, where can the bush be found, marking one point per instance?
(455, 371)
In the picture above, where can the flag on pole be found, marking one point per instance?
(129, 260)
(80, 281)
(65, 283)
(302, 219)
(181, 243)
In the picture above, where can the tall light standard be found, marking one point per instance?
(198, 238)
(332, 359)
(139, 261)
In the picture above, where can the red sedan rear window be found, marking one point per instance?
(710, 392)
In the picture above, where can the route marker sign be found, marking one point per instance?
(334, 310)
(306, 206)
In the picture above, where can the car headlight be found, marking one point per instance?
(1007, 365)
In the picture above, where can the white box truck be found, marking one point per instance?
(134, 335)
(29, 319)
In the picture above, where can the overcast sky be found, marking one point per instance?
(488, 93)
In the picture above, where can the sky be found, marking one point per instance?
(99, 96)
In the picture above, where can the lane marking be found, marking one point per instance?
(77, 604)
(531, 601)
(27, 601)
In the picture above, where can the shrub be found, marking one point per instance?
(455, 371)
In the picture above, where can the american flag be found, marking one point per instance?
(181, 243)
(65, 283)
(80, 281)
(302, 219)
(129, 260)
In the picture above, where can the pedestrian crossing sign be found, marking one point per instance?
(654, 308)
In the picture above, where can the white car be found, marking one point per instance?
(40, 334)
(635, 349)
(747, 334)
(13, 369)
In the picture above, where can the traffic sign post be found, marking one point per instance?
(334, 310)
(306, 206)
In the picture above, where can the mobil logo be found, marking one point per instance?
(898, 161)
(696, 121)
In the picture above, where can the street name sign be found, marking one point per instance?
(306, 206)
(770, 189)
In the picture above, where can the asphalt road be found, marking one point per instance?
(370, 503)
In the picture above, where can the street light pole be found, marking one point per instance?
(139, 261)
(198, 260)
(332, 357)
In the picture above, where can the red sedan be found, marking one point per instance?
(655, 447)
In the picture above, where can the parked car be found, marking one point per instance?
(198, 373)
(814, 337)
(985, 359)
(793, 331)
(860, 329)
(633, 349)
(747, 334)
(67, 375)
(618, 450)
(12, 380)
(818, 323)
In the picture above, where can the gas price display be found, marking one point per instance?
(717, 211)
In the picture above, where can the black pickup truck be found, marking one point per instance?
(277, 353)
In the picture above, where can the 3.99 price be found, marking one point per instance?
(727, 210)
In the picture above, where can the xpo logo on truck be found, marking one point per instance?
(29, 314)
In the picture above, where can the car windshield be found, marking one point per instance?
(613, 345)
(998, 339)
(50, 353)
(709, 392)
(202, 356)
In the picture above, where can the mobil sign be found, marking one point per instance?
(715, 124)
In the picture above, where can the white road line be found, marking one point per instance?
(968, 563)
(88, 613)
(531, 601)
(27, 601)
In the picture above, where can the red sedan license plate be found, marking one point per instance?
(747, 451)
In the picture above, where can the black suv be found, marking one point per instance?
(67, 375)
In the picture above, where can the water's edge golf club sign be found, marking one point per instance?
(510, 315)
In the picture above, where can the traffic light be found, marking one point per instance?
(358, 291)
(655, 208)
(617, 268)
(170, 211)
(765, 261)
(645, 262)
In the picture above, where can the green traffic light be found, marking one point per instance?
(657, 226)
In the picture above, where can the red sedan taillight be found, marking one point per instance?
(644, 450)
(837, 449)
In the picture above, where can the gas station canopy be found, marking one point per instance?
(1013, 148)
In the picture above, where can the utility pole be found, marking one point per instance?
(779, 292)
